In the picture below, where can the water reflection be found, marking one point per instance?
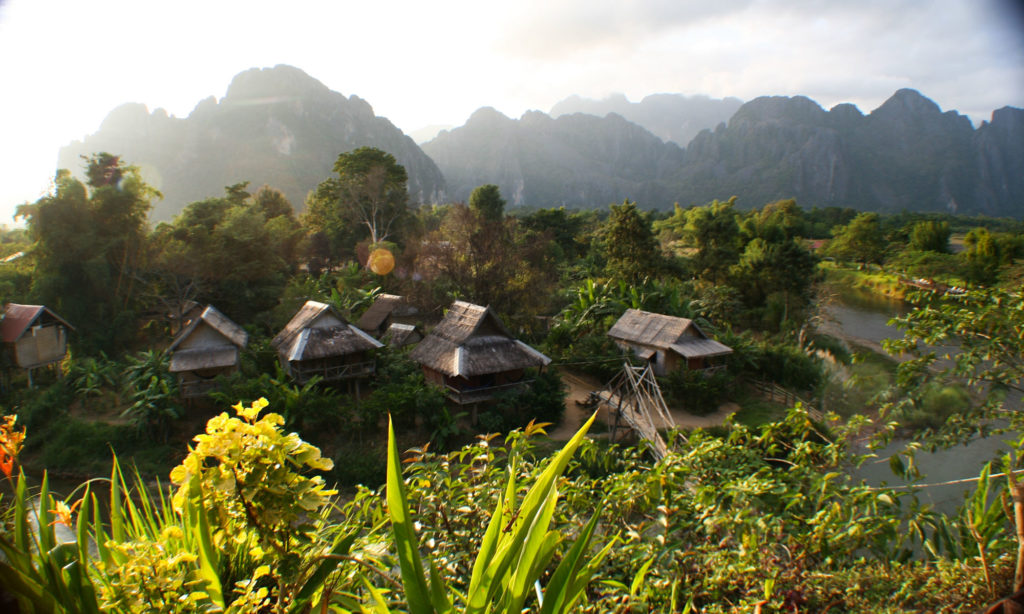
(862, 318)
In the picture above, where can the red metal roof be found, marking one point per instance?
(18, 318)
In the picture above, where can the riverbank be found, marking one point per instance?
(871, 279)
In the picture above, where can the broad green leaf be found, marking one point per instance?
(208, 556)
(417, 593)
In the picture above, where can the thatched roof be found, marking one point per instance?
(700, 348)
(662, 332)
(379, 311)
(19, 318)
(471, 340)
(401, 335)
(318, 331)
(217, 321)
(206, 350)
(195, 359)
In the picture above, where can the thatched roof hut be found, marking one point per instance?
(381, 314)
(34, 335)
(667, 342)
(473, 355)
(319, 341)
(209, 346)
(400, 335)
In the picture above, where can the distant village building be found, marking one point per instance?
(402, 335)
(667, 342)
(208, 346)
(472, 355)
(383, 313)
(33, 336)
(318, 341)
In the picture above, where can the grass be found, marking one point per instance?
(871, 279)
(755, 410)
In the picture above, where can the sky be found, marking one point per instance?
(65, 64)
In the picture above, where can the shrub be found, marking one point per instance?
(697, 392)
(543, 400)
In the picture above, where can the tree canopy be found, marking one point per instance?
(366, 200)
(88, 243)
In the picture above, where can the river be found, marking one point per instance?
(862, 318)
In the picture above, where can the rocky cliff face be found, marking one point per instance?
(906, 154)
(575, 160)
(275, 126)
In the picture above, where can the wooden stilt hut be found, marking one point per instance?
(473, 356)
(379, 316)
(319, 341)
(207, 347)
(33, 336)
(666, 342)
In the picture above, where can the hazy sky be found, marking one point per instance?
(64, 64)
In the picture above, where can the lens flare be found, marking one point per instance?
(382, 261)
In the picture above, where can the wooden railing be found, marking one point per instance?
(196, 388)
(777, 393)
(482, 393)
(331, 373)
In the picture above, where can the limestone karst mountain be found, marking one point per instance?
(574, 161)
(906, 154)
(281, 127)
(275, 126)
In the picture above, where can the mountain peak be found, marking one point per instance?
(486, 115)
(798, 109)
(281, 80)
(908, 101)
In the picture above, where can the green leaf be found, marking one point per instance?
(439, 592)
(25, 587)
(417, 593)
(557, 597)
(208, 555)
(316, 579)
(638, 579)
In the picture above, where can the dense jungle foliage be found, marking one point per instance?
(302, 500)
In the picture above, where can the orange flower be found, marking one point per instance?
(6, 463)
(63, 513)
(11, 442)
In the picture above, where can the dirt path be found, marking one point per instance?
(579, 387)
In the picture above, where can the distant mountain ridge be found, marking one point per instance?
(670, 117)
(281, 127)
(906, 154)
(574, 161)
(275, 126)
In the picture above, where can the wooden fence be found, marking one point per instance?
(776, 393)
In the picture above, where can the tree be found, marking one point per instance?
(775, 222)
(785, 269)
(226, 251)
(488, 260)
(88, 245)
(982, 256)
(629, 241)
(486, 202)
(369, 193)
(930, 236)
(861, 240)
(713, 230)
